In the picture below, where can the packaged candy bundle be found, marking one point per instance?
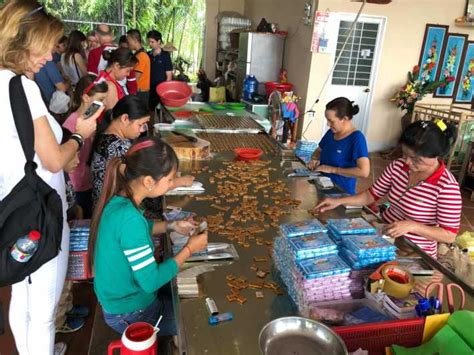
(313, 245)
(325, 278)
(364, 263)
(367, 246)
(310, 226)
(79, 237)
(304, 150)
(366, 251)
(330, 265)
(78, 265)
(350, 226)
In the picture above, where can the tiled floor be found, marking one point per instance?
(78, 342)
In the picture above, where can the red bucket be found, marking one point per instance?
(174, 93)
(274, 86)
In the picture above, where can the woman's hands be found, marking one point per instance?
(313, 164)
(328, 204)
(87, 126)
(399, 228)
(197, 242)
(185, 227)
(326, 169)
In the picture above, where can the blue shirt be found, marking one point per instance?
(47, 78)
(343, 153)
(160, 64)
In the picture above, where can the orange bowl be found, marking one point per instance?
(248, 153)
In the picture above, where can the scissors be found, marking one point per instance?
(449, 291)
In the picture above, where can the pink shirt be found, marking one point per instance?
(81, 175)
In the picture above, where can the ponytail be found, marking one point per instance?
(149, 156)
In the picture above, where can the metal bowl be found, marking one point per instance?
(299, 336)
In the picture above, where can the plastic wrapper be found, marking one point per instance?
(312, 245)
(323, 266)
(306, 227)
(368, 246)
(350, 226)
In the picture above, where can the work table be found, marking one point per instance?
(240, 336)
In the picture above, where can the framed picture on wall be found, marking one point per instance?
(463, 89)
(433, 43)
(450, 62)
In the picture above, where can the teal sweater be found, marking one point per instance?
(127, 276)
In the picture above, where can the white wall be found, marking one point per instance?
(406, 20)
(288, 17)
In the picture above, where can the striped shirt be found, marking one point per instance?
(435, 201)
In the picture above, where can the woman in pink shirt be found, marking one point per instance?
(87, 91)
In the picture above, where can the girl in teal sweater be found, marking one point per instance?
(127, 276)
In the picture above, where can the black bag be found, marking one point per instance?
(31, 205)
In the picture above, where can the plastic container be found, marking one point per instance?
(184, 114)
(272, 86)
(25, 247)
(374, 337)
(174, 93)
(250, 87)
(248, 153)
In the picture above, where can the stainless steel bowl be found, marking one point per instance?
(299, 336)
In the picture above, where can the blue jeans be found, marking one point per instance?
(161, 306)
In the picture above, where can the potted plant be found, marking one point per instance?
(414, 90)
(407, 96)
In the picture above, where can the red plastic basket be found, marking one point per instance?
(272, 86)
(374, 337)
(248, 153)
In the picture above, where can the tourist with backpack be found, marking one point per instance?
(29, 138)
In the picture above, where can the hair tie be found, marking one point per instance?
(32, 12)
(441, 125)
(139, 146)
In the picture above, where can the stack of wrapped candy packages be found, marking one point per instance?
(338, 229)
(309, 265)
(366, 251)
(350, 234)
(78, 250)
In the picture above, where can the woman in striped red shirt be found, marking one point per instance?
(424, 198)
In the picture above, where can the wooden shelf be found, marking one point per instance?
(464, 24)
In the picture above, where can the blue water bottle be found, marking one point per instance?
(250, 87)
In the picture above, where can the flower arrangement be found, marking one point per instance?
(467, 79)
(430, 62)
(416, 88)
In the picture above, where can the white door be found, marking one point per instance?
(354, 75)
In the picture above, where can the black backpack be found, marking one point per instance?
(31, 205)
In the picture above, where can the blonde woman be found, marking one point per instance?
(27, 38)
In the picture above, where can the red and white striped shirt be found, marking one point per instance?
(435, 201)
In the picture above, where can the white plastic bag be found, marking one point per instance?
(59, 102)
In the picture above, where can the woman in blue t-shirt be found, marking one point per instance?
(342, 153)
